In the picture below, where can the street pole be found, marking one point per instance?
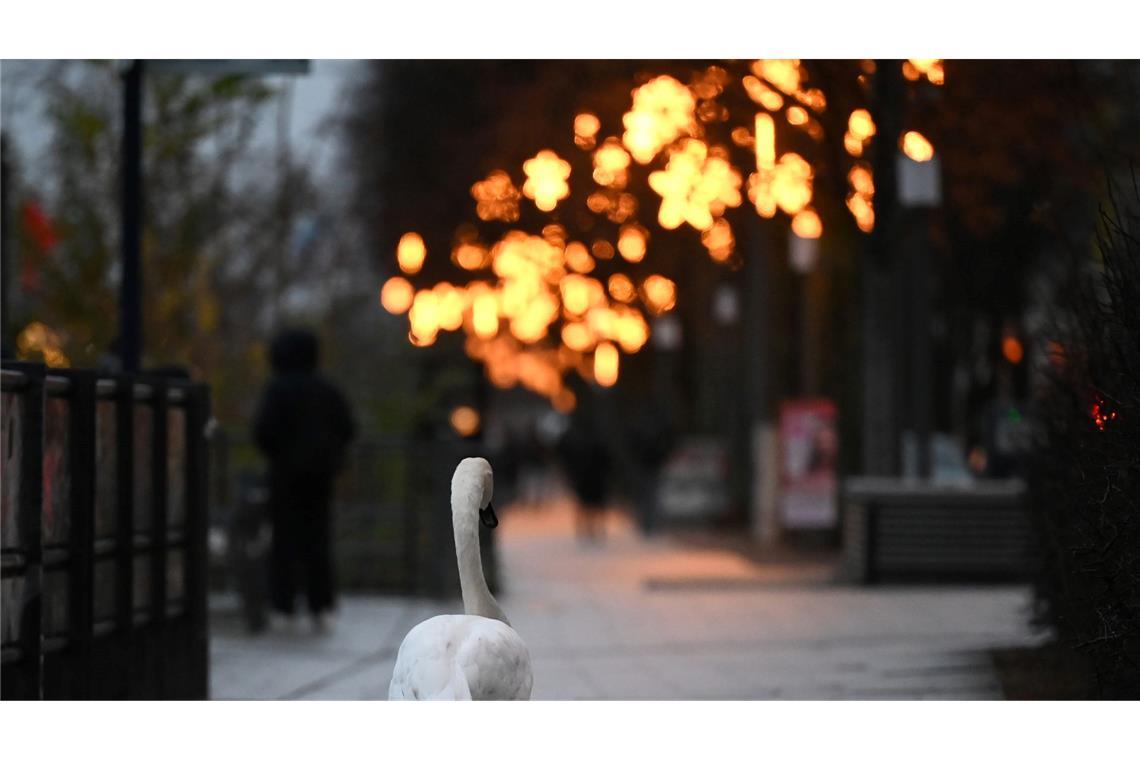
(760, 354)
(130, 286)
(881, 382)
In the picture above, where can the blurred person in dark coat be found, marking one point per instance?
(651, 439)
(303, 425)
(586, 460)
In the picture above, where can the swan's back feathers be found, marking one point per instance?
(462, 657)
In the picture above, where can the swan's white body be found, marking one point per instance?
(472, 656)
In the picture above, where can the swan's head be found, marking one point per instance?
(473, 476)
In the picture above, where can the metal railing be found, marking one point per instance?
(103, 535)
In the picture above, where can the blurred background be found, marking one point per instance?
(798, 377)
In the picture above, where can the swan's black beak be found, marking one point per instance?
(487, 516)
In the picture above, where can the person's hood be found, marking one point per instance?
(294, 351)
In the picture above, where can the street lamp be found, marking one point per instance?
(919, 191)
(130, 285)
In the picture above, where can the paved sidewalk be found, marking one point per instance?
(657, 619)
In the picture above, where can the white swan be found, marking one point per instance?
(476, 655)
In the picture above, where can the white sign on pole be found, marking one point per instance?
(920, 182)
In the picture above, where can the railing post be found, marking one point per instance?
(83, 517)
(197, 527)
(20, 565)
(67, 666)
(111, 654)
(159, 538)
(125, 596)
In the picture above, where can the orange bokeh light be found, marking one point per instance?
(916, 147)
(659, 293)
(396, 295)
(464, 421)
(1012, 349)
(807, 224)
(663, 110)
(606, 365)
(411, 252)
(586, 126)
(632, 242)
(546, 176)
(496, 198)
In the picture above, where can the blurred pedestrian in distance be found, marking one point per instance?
(504, 450)
(302, 425)
(651, 438)
(1006, 430)
(586, 461)
(531, 467)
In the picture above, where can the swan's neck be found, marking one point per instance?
(477, 599)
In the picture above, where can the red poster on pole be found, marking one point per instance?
(809, 448)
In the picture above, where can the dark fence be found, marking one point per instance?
(104, 536)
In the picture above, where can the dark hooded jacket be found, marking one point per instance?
(303, 422)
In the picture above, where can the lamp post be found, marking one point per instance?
(919, 185)
(131, 282)
(758, 343)
(879, 293)
(803, 252)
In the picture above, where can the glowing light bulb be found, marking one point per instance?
(631, 331)
(631, 242)
(807, 224)
(396, 295)
(859, 200)
(916, 68)
(586, 126)
(660, 293)
(763, 94)
(546, 179)
(469, 256)
(1012, 349)
(575, 294)
(496, 198)
(696, 186)
(606, 365)
(424, 317)
(860, 124)
(485, 315)
(577, 337)
(663, 110)
(765, 141)
(916, 147)
(610, 164)
(464, 421)
(621, 288)
(719, 240)
(411, 252)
